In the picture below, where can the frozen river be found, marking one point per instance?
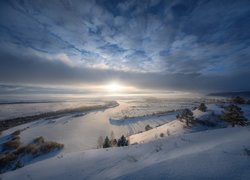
(80, 132)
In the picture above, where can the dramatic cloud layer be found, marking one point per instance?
(158, 44)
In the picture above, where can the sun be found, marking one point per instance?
(114, 87)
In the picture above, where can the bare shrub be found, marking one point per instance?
(12, 144)
(162, 135)
(19, 151)
(10, 160)
(50, 146)
(31, 149)
(39, 140)
(148, 127)
(6, 159)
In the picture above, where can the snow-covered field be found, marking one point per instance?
(168, 150)
(215, 154)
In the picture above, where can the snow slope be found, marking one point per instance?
(175, 127)
(214, 154)
(172, 128)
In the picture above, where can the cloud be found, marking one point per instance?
(167, 42)
(33, 70)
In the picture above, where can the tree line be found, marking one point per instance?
(112, 141)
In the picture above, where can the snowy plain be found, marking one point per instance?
(195, 153)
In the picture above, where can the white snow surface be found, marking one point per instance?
(213, 154)
(181, 153)
(79, 133)
(172, 128)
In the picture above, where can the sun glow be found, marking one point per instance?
(114, 87)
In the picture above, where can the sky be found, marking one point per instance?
(161, 45)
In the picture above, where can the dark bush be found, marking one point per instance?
(162, 135)
(202, 107)
(238, 100)
(39, 140)
(6, 159)
(148, 127)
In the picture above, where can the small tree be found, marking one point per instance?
(112, 135)
(238, 100)
(100, 142)
(122, 141)
(113, 142)
(148, 127)
(202, 107)
(234, 115)
(106, 143)
(187, 115)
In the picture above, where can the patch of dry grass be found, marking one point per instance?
(50, 146)
(39, 140)
(19, 150)
(6, 159)
(40, 146)
(31, 149)
(14, 151)
(13, 143)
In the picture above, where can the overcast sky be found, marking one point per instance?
(187, 45)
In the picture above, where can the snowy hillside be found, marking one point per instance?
(214, 154)
(176, 127)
